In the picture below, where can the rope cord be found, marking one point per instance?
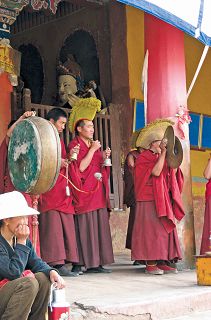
(82, 191)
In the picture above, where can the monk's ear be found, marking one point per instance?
(52, 120)
(78, 128)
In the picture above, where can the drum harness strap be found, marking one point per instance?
(73, 185)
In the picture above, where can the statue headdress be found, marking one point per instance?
(72, 68)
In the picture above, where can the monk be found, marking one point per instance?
(206, 242)
(129, 195)
(92, 204)
(57, 228)
(158, 203)
(5, 180)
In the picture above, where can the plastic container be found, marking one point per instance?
(59, 308)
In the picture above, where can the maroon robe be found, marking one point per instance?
(92, 217)
(158, 203)
(129, 195)
(165, 189)
(205, 242)
(86, 181)
(7, 186)
(56, 198)
(57, 228)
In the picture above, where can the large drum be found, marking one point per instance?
(34, 155)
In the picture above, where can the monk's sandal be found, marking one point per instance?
(167, 269)
(153, 270)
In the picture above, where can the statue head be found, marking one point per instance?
(66, 87)
(69, 75)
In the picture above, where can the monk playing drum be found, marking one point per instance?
(57, 228)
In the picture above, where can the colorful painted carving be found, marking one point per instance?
(9, 61)
(39, 4)
(18, 5)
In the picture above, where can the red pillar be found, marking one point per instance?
(166, 69)
(166, 92)
(5, 104)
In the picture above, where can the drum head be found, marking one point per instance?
(34, 155)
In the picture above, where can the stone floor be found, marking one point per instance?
(206, 315)
(127, 293)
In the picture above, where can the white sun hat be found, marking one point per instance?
(13, 204)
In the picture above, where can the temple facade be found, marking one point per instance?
(142, 65)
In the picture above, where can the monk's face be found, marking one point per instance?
(59, 124)
(66, 87)
(155, 146)
(87, 130)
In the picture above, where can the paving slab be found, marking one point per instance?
(206, 315)
(128, 293)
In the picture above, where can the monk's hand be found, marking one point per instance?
(76, 150)
(28, 114)
(95, 145)
(163, 145)
(106, 153)
(22, 233)
(64, 163)
(57, 279)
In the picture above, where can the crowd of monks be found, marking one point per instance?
(74, 223)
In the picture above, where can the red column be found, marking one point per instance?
(166, 69)
(166, 92)
(5, 104)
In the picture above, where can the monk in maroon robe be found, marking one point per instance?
(129, 194)
(158, 204)
(56, 222)
(206, 241)
(5, 180)
(92, 204)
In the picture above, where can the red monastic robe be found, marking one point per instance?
(165, 190)
(129, 195)
(205, 241)
(56, 198)
(99, 196)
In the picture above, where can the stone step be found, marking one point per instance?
(206, 315)
(128, 293)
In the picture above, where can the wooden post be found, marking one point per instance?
(35, 223)
(115, 111)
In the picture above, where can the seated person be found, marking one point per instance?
(24, 278)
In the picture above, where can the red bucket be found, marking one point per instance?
(59, 311)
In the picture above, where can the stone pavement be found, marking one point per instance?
(206, 315)
(127, 293)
